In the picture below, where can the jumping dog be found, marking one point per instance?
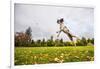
(64, 29)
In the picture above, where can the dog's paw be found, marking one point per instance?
(56, 32)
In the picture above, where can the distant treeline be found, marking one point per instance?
(25, 40)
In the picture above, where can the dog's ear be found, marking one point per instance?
(61, 20)
(58, 21)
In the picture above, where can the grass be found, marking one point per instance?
(44, 55)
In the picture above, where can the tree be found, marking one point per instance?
(29, 32)
(33, 42)
(84, 41)
(43, 42)
(78, 42)
(89, 40)
(92, 40)
(21, 39)
(51, 38)
(68, 43)
(61, 42)
(57, 42)
(38, 43)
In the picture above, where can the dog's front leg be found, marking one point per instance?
(58, 33)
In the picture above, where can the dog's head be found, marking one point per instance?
(60, 20)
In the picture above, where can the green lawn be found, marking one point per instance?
(44, 55)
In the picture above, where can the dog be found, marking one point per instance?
(64, 29)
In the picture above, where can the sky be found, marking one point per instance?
(43, 20)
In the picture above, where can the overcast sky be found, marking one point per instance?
(43, 20)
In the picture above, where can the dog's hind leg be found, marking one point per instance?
(71, 38)
(75, 36)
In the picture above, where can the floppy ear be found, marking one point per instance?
(61, 20)
(58, 21)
